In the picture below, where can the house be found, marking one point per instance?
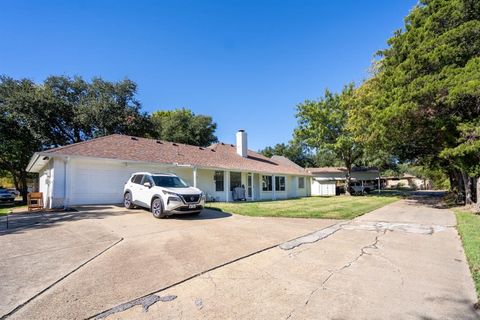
(95, 171)
(327, 180)
(407, 181)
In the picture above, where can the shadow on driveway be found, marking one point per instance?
(20, 222)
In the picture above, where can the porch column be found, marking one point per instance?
(273, 188)
(195, 177)
(252, 185)
(226, 180)
(295, 186)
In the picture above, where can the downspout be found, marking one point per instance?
(274, 195)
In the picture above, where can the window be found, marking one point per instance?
(235, 180)
(267, 183)
(147, 178)
(169, 182)
(137, 179)
(219, 178)
(301, 183)
(279, 183)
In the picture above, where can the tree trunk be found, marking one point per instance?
(15, 181)
(478, 192)
(24, 187)
(348, 178)
(459, 187)
(467, 183)
(453, 182)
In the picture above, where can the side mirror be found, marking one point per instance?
(147, 184)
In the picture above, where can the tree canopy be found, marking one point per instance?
(183, 126)
(64, 110)
(422, 103)
(323, 124)
(294, 151)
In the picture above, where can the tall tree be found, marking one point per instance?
(18, 141)
(62, 111)
(323, 124)
(183, 126)
(111, 107)
(425, 88)
(294, 151)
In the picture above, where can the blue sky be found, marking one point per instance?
(245, 63)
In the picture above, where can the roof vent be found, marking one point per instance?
(212, 150)
(159, 142)
(133, 138)
(201, 148)
(174, 144)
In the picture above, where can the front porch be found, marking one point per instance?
(219, 185)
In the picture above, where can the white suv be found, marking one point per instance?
(164, 194)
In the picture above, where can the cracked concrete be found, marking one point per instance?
(379, 266)
(145, 302)
(312, 237)
(362, 225)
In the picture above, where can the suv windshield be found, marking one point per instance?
(169, 182)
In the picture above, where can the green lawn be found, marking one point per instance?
(469, 229)
(339, 207)
(5, 209)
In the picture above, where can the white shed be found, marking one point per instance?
(323, 187)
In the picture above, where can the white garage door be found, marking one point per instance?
(98, 183)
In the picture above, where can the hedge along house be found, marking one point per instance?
(326, 179)
(95, 171)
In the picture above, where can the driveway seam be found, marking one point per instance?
(20, 306)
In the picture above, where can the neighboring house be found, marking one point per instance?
(407, 181)
(326, 179)
(95, 171)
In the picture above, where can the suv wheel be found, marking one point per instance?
(157, 208)
(127, 200)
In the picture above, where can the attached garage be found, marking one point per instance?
(323, 187)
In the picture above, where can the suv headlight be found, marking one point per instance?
(172, 196)
(204, 196)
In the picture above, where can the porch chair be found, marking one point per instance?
(35, 201)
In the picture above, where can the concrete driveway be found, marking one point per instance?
(403, 261)
(76, 264)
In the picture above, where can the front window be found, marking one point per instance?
(235, 180)
(169, 182)
(279, 183)
(301, 183)
(219, 178)
(267, 183)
